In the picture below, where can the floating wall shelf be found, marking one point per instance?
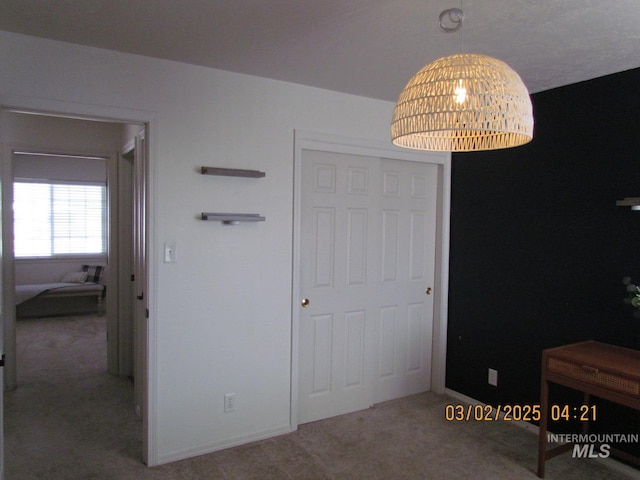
(232, 172)
(233, 218)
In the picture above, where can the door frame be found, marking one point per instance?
(306, 140)
(119, 115)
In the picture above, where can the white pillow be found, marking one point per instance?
(74, 277)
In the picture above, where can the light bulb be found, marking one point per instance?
(461, 93)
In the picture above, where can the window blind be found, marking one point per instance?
(58, 219)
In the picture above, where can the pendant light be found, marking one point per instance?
(463, 102)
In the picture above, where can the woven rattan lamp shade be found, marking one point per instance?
(463, 102)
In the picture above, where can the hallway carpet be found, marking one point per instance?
(69, 419)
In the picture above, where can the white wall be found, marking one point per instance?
(48, 167)
(60, 135)
(220, 316)
(129, 131)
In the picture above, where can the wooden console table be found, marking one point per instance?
(605, 371)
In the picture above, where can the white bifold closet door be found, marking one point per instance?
(368, 228)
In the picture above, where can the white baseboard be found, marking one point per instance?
(216, 446)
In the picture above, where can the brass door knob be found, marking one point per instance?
(428, 291)
(305, 302)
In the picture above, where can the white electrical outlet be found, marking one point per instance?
(493, 377)
(229, 402)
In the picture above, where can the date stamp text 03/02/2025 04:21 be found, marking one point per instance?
(525, 413)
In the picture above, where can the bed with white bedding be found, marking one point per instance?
(73, 284)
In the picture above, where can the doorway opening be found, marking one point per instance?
(120, 147)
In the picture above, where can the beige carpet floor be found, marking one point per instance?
(69, 419)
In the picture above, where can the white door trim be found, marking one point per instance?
(305, 140)
(120, 115)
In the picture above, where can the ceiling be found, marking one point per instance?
(363, 47)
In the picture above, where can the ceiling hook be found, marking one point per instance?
(454, 16)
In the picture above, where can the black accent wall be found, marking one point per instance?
(539, 247)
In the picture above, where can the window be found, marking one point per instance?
(53, 219)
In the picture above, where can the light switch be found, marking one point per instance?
(169, 252)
